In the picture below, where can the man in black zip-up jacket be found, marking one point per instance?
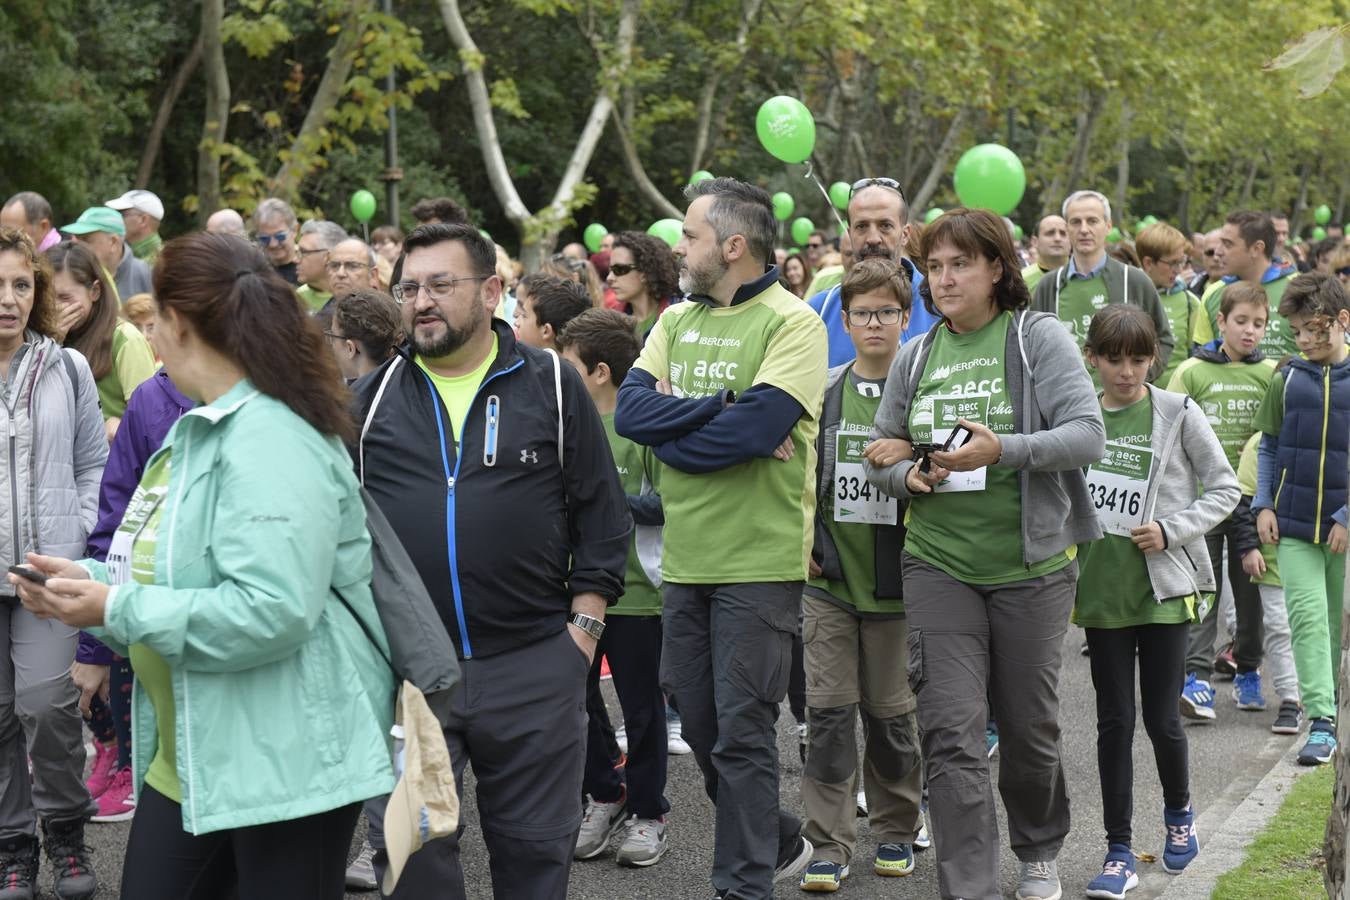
(516, 521)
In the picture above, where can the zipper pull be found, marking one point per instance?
(450, 484)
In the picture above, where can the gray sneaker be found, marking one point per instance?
(1039, 881)
(361, 873)
(644, 842)
(599, 823)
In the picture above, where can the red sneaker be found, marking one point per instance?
(105, 766)
(1224, 664)
(116, 804)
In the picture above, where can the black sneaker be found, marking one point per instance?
(1289, 719)
(19, 863)
(72, 872)
(794, 859)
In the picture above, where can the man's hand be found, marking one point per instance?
(813, 567)
(982, 449)
(1253, 563)
(885, 452)
(589, 604)
(90, 680)
(1336, 540)
(785, 450)
(1267, 528)
(663, 387)
(1148, 538)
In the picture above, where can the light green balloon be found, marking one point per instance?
(990, 176)
(786, 129)
(700, 175)
(783, 205)
(363, 205)
(668, 230)
(1322, 215)
(593, 235)
(1017, 232)
(1113, 236)
(1319, 233)
(802, 228)
(932, 215)
(839, 192)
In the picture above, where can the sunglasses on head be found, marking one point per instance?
(279, 238)
(881, 182)
(622, 269)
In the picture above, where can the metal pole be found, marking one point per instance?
(392, 173)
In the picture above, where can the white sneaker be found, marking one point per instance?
(361, 873)
(675, 744)
(599, 823)
(621, 737)
(862, 805)
(644, 842)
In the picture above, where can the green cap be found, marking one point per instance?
(97, 218)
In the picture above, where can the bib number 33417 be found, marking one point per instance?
(856, 500)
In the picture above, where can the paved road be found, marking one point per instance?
(1227, 759)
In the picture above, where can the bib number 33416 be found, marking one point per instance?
(1118, 484)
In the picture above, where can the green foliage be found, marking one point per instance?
(1315, 59)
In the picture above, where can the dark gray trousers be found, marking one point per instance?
(1009, 638)
(520, 718)
(727, 657)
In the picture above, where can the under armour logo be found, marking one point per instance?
(529, 456)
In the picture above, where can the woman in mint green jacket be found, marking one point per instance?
(261, 706)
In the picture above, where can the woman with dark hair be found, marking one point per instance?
(89, 321)
(797, 274)
(644, 276)
(996, 511)
(239, 584)
(50, 475)
(366, 329)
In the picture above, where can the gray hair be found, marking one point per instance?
(35, 206)
(370, 252)
(1086, 195)
(739, 208)
(274, 208)
(330, 233)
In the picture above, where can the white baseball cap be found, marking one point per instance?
(140, 200)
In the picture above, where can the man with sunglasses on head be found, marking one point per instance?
(274, 227)
(878, 228)
(492, 465)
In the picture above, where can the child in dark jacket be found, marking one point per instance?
(1301, 492)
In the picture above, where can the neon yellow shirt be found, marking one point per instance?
(457, 393)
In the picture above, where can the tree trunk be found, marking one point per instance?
(217, 110)
(919, 202)
(1087, 126)
(166, 104)
(1245, 198)
(711, 117)
(1123, 163)
(298, 161)
(638, 172)
(1336, 871)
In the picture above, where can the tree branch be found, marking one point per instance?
(919, 201)
(217, 112)
(155, 138)
(638, 173)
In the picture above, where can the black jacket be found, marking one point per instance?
(502, 541)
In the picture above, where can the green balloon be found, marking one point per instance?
(700, 175)
(786, 129)
(1322, 215)
(363, 205)
(1113, 236)
(802, 228)
(932, 215)
(593, 235)
(990, 176)
(1319, 233)
(485, 234)
(783, 206)
(839, 192)
(668, 230)
(1018, 232)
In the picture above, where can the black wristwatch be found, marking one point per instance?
(589, 624)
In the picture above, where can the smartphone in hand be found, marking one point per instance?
(32, 575)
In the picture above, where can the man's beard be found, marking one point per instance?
(453, 339)
(877, 251)
(702, 281)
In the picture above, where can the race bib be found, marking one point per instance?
(1118, 483)
(119, 558)
(946, 412)
(856, 500)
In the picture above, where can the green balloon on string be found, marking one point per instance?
(1319, 233)
(783, 206)
(363, 206)
(668, 230)
(700, 175)
(839, 193)
(1322, 215)
(593, 235)
(932, 215)
(1113, 236)
(786, 129)
(802, 228)
(990, 176)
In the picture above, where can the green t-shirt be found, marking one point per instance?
(752, 521)
(313, 300)
(138, 534)
(969, 534)
(1246, 475)
(1229, 394)
(639, 472)
(1278, 341)
(1189, 324)
(1032, 275)
(1114, 590)
(457, 393)
(1079, 300)
(855, 542)
(133, 362)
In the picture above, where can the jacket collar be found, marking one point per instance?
(508, 347)
(227, 403)
(1213, 352)
(1274, 273)
(747, 291)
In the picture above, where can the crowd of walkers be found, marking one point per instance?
(877, 478)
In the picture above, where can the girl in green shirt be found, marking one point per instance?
(1139, 583)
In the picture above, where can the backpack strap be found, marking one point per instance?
(370, 417)
(557, 396)
(73, 374)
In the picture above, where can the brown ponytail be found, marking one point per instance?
(238, 305)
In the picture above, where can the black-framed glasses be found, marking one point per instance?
(438, 287)
(880, 182)
(278, 238)
(861, 318)
(346, 265)
(622, 269)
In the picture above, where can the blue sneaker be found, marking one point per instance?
(824, 876)
(1197, 699)
(894, 859)
(991, 739)
(1182, 843)
(924, 839)
(1247, 691)
(1118, 875)
(1321, 746)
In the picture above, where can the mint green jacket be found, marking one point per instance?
(283, 704)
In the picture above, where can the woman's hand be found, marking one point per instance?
(982, 449)
(1148, 538)
(1336, 540)
(90, 680)
(67, 320)
(924, 482)
(57, 567)
(885, 452)
(77, 603)
(1253, 563)
(1267, 528)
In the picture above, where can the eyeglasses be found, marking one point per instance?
(883, 182)
(814, 245)
(346, 265)
(438, 288)
(861, 318)
(278, 238)
(1210, 252)
(621, 269)
(1176, 263)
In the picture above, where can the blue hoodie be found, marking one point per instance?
(828, 304)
